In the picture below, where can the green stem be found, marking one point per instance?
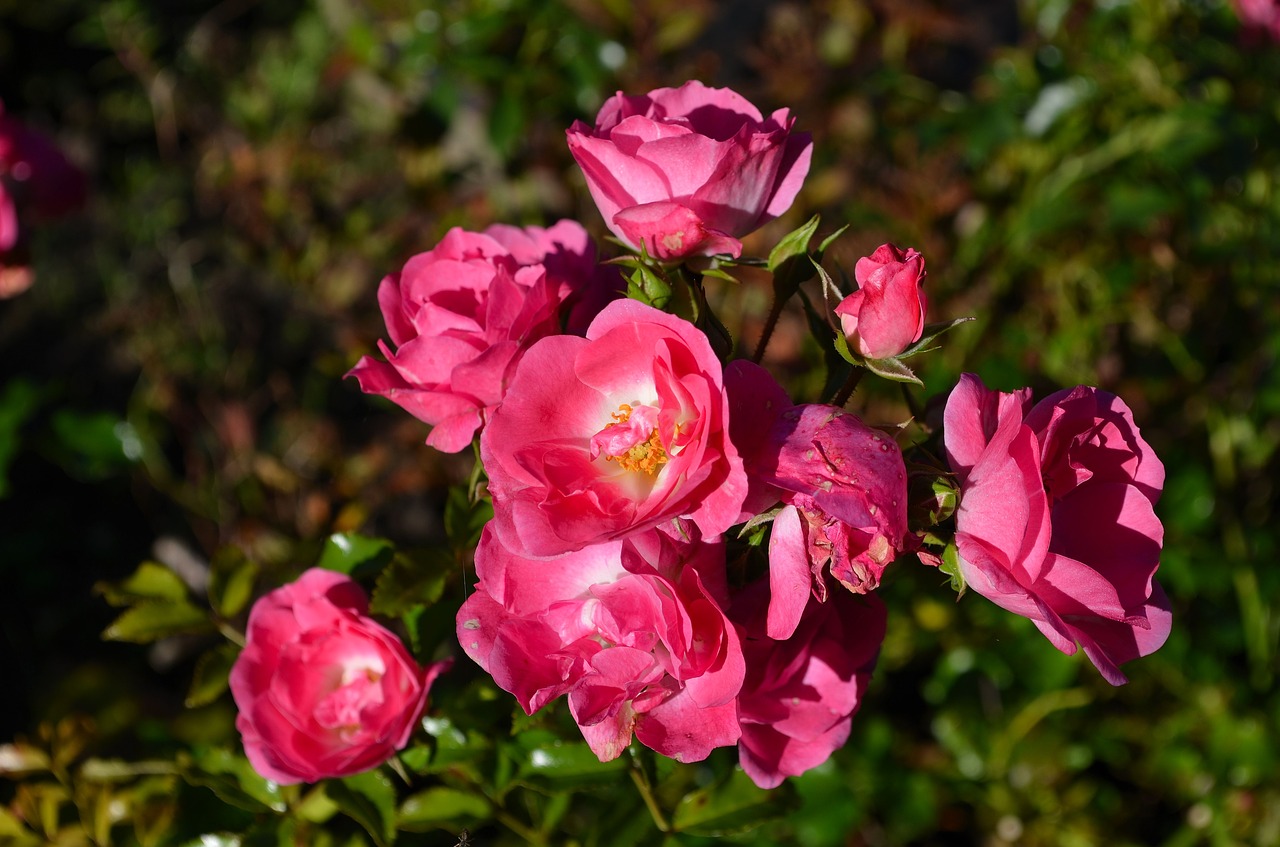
(846, 390)
(650, 802)
(770, 324)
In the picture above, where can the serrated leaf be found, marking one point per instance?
(792, 245)
(891, 368)
(370, 800)
(231, 579)
(212, 672)
(232, 778)
(733, 806)
(412, 580)
(429, 809)
(346, 551)
(149, 622)
(151, 581)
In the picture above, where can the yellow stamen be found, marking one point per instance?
(648, 456)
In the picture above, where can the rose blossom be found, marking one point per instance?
(1056, 519)
(612, 434)
(885, 315)
(688, 171)
(1259, 18)
(462, 314)
(797, 703)
(629, 630)
(843, 483)
(323, 690)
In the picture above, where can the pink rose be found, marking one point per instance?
(462, 314)
(613, 434)
(1260, 18)
(688, 171)
(843, 483)
(885, 315)
(1056, 519)
(797, 703)
(628, 630)
(323, 691)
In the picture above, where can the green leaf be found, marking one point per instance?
(545, 759)
(122, 770)
(412, 580)
(211, 674)
(720, 273)
(464, 519)
(842, 347)
(152, 581)
(793, 245)
(892, 368)
(19, 759)
(648, 287)
(731, 807)
(148, 622)
(429, 809)
(231, 579)
(346, 551)
(370, 800)
(232, 778)
(951, 567)
(830, 239)
(931, 331)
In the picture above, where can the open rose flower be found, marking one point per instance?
(323, 691)
(612, 434)
(885, 315)
(1056, 520)
(843, 485)
(1260, 19)
(462, 314)
(800, 694)
(688, 171)
(638, 646)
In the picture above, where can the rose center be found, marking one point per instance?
(632, 440)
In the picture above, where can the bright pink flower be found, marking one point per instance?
(629, 630)
(1056, 520)
(323, 690)
(612, 434)
(462, 314)
(843, 483)
(35, 178)
(800, 694)
(885, 315)
(1260, 18)
(688, 171)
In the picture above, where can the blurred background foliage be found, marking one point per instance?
(1095, 181)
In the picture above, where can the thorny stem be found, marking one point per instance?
(642, 785)
(846, 390)
(770, 324)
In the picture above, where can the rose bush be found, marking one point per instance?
(629, 630)
(1056, 520)
(462, 314)
(688, 171)
(322, 690)
(885, 315)
(800, 694)
(612, 434)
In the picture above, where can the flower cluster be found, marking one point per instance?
(626, 463)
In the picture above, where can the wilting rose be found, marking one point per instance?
(1056, 519)
(688, 171)
(800, 694)
(843, 485)
(612, 434)
(629, 630)
(462, 314)
(36, 179)
(323, 691)
(885, 315)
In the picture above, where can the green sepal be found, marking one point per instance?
(892, 368)
(951, 567)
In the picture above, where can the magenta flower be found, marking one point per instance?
(613, 434)
(688, 171)
(324, 691)
(1056, 520)
(885, 315)
(463, 313)
(628, 630)
(800, 694)
(1259, 18)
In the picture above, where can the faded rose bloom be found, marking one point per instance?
(797, 703)
(36, 179)
(629, 630)
(1056, 520)
(323, 691)
(688, 171)
(613, 434)
(885, 315)
(843, 485)
(463, 313)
